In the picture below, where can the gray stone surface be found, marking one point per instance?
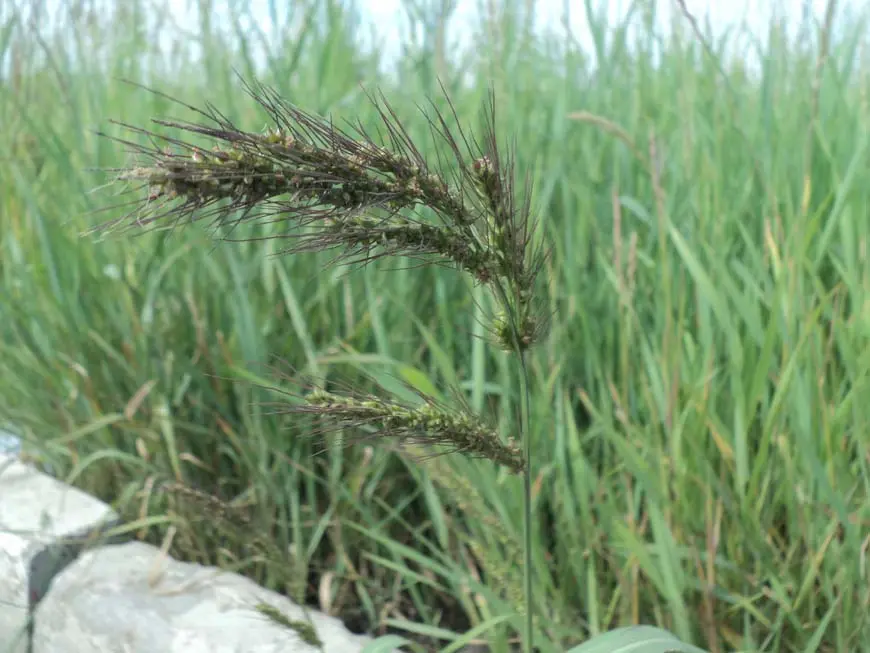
(13, 593)
(131, 598)
(43, 525)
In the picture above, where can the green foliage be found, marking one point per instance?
(699, 401)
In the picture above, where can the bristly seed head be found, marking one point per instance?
(350, 194)
(320, 179)
(428, 424)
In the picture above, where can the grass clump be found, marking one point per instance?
(698, 428)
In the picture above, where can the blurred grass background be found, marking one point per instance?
(701, 407)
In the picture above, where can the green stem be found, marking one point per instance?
(525, 432)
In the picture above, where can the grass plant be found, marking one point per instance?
(328, 190)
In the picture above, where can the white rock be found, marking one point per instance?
(42, 525)
(131, 598)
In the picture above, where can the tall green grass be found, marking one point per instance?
(701, 405)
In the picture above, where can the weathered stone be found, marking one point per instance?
(43, 525)
(132, 598)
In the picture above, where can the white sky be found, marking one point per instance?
(388, 16)
(387, 22)
(721, 12)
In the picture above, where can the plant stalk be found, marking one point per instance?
(525, 433)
